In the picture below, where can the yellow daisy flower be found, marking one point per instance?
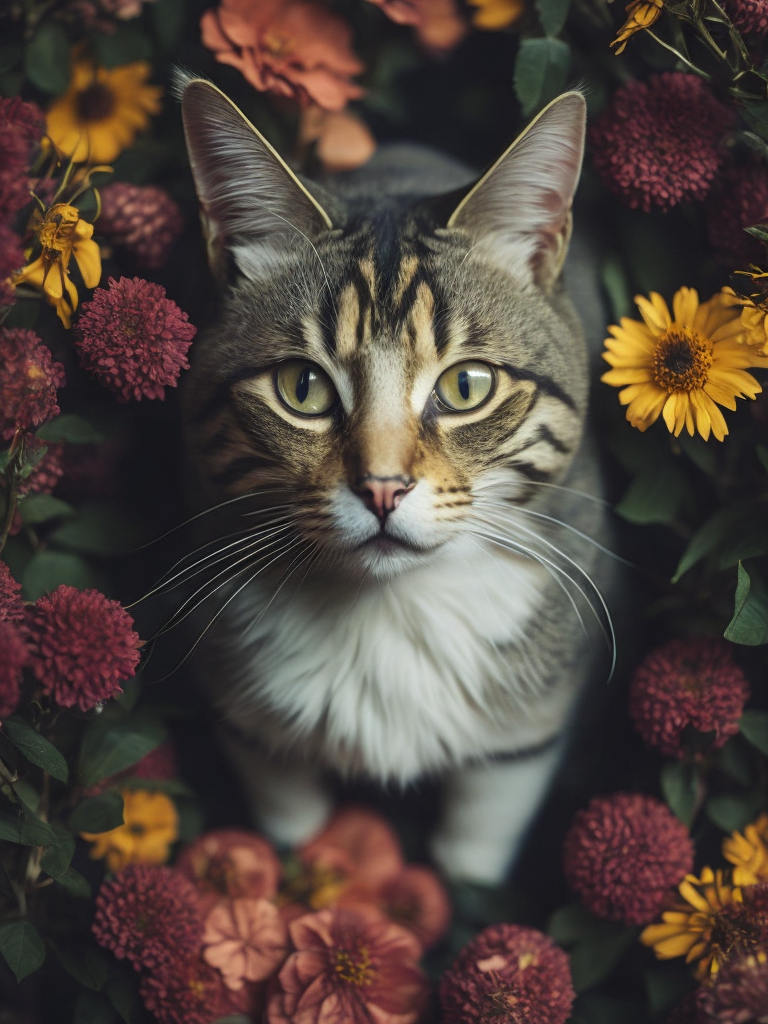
(749, 852)
(62, 235)
(150, 826)
(102, 110)
(754, 313)
(681, 365)
(492, 15)
(697, 929)
(640, 14)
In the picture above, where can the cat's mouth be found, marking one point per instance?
(386, 544)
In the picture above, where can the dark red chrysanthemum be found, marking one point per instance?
(21, 128)
(148, 915)
(748, 15)
(189, 991)
(11, 604)
(11, 259)
(508, 974)
(740, 992)
(133, 339)
(43, 479)
(688, 684)
(348, 966)
(231, 863)
(144, 220)
(83, 644)
(14, 655)
(622, 855)
(742, 925)
(28, 381)
(741, 201)
(650, 148)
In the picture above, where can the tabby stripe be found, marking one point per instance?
(544, 435)
(545, 384)
(539, 476)
(403, 308)
(326, 321)
(241, 467)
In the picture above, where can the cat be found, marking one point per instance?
(388, 415)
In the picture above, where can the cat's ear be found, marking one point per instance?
(519, 212)
(253, 206)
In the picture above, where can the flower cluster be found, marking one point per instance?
(29, 379)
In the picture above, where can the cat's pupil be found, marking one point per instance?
(302, 384)
(464, 384)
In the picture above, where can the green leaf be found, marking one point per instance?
(20, 825)
(749, 624)
(22, 948)
(762, 454)
(46, 60)
(665, 988)
(36, 748)
(122, 994)
(40, 508)
(23, 313)
(711, 536)
(754, 726)
(74, 429)
(541, 72)
(654, 496)
(734, 760)
(88, 964)
(613, 277)
(56, 860)
(11, 53)
(168, 18)
(117, 741)
(595, 956)
(48, 569)
(98, 530)
(568, 924)
(98, 813)
(679, 784)
(700, 453)
(94, 1008)
(734, 813)
(75, 884)
(121, 46)
(759, 231)
(553, 14)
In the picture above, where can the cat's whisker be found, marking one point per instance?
(493, 486)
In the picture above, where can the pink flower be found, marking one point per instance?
(133, 339)
(14, 655)
(293, 48)
(438, 24)
(186, 990)
(21, 128)
(739, 994)
(414, 898)
(230, 863)
(83, 646)
(749, 15)
(347, 966)
(144, 220)
(245, 939)
(28, 381)
(11, 604)
(359, 845)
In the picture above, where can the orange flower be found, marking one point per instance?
(230, 863)
(493, 15)
(414, 898)
(342, 141)
(245, 939)
(358, 844)
(640, 14)
(438, 23)
(150, 826)
(291, 47)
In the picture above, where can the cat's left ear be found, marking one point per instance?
(519, 213)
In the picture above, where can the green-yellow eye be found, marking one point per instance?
(465, 386)
(305, 388)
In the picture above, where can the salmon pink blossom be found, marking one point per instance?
(245, 939)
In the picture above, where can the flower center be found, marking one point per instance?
(94, 103)
(56, 232)
(354, 966)
(137, 830)
(278, 46)
(682, 360)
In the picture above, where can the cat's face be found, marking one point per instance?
(369, 383)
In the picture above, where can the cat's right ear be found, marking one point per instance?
(253, 206)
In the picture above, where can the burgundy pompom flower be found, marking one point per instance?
(741, 201)
(11, 604)
(133, 339)
(22, 126)
(348, 966)
(189, 991)
(28, 381)
(14, 655)
(508, 974)
(748, 15)
(740, 992)
(694, 684)
(144, 220)
(622, 855)
(11, 259)
(83, 644)
(652, 149)
(230, 863)
(148, 915)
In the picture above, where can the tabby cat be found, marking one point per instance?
(388, 414)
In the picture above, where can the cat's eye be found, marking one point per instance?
(465, 386)
(305, 388)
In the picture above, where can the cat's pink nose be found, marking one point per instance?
(382, 494)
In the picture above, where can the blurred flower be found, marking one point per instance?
(189, 991)
(754, 303)
(11, 604)
(493, 15)
(43, 479)
(350, 967)
(640, 14)
(62, 235)
(84, 646)
(230, 863)
(102, 110)
(21, 130)
(740, 992)
(150, 827)
(28, 381)
(740, 201)
(715, 921)
(748, 15)
(650, 150)
(143, 220)
(133, 339)
(245, 939)
(508, 974)
(438, 24)
(681, 365)
(342, 141)
(158, 765)
(148, 915)
(12, 259)
(415, 898)
(693, 683)
(293, 48)
(623, 854)
(359, 845)
(14, 655)
(749, 852)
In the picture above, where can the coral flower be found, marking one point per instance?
(150, 826)
(748, 852)
(640, 14)
(28, 381)
(347, 966)
(63, 235)
(438, 24)
(290, 47)
(358, 844)
(230, 863)
(681, 365)
(493, 15)
(102, 110)
(416, 899)
(245, 939)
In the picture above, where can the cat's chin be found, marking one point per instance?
(383, 556)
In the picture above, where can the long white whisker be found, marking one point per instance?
(557, 487)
